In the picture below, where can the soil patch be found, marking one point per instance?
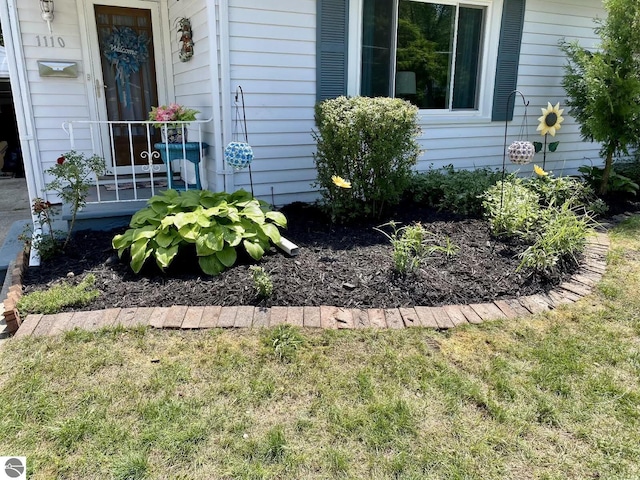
(345, 266)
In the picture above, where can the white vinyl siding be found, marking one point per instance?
(540, 80)
(273, 57)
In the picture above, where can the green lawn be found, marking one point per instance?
(554, 396)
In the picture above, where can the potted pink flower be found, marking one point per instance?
(165, 117)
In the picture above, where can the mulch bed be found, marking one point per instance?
(344, 266)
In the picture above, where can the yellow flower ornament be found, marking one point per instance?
(340, 182)
(550, 120)
(539, 171)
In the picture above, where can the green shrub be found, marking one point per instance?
(515, 211)
(630, 168)
(59, 296)
(371, 142)
(217, 223)
(617, 183)
(455, 191)
(563, 234)
(560, 190)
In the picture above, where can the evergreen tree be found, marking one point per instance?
(603, 87)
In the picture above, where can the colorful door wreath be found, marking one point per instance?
(126, 51)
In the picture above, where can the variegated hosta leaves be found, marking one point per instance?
(217, 223)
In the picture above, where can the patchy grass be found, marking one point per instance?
(554, 396)
(59, 296)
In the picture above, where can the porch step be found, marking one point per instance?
(103, 216)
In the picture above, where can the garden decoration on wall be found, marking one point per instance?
(126, 51)
(239, 154)
(549, 124)
(186, 37)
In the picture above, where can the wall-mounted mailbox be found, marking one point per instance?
(57, 68)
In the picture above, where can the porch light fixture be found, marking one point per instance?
(46, 9)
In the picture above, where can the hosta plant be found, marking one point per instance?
(217, 223)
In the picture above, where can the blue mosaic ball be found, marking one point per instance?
(238, 154)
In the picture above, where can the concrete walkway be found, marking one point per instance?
(14, 203)
(14, 207)
(189, 318)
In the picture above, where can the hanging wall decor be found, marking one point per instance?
(126, 51)
(186, 37)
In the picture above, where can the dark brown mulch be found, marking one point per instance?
(347, 266)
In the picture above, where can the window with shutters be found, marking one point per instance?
(429, 53)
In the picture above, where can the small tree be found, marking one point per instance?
(604, 86)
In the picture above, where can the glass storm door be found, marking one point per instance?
(125, 39)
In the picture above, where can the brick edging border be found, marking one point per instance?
(11, 315)
(579, 285)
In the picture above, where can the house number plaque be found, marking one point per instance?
(50, 41)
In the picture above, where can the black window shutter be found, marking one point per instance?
(508, 59)
(332, 30)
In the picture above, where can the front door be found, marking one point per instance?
(127, 60)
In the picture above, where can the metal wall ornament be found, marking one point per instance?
(186, 37)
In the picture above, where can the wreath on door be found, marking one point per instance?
(126, 52)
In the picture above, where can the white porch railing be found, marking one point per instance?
(139, 160)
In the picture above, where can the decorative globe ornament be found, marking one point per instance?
(238, 154)
(521, 152)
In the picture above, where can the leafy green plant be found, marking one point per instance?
(511, 208)
(216, 223)
(563, 235)
(603, 86)
(455, 191)
(617, 183)
(284, 341)
(370, 143)
(557, 191)
(59, 296)
(413, 243)
(261, 281)
(72, 176)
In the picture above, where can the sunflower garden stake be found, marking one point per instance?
(549, 124)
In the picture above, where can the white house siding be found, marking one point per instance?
(54, 100)
(540, 80)
(192, 79)
(273, 58)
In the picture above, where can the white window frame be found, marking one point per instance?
(487, 73)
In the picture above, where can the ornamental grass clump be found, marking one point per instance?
(550, 213)
(412, 244)
(217, 224)
(366, 148)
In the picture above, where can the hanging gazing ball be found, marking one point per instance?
(238, 155)
(521, 152)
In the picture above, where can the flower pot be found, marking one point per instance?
(173, 135)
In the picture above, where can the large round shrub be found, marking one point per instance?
(370, 142)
